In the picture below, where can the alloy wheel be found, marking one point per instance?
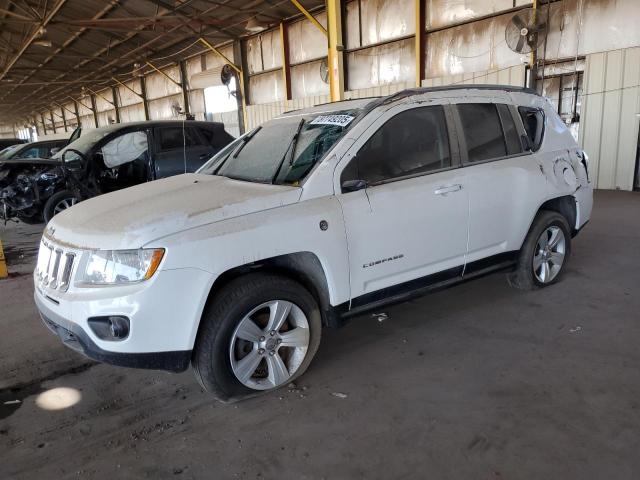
(548, 257)
(269, 345)
(64, 204)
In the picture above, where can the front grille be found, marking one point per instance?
(54, 266)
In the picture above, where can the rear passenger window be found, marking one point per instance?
(514, 146)
(533, 120)
(172, 138)
(413, 142)
(482, 131)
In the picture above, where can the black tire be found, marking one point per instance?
(523, 277)
(50, 205)
(222, 315)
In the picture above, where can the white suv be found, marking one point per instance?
(315, 216)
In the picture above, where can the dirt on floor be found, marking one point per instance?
(479, 381)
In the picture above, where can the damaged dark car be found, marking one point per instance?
(104, 160)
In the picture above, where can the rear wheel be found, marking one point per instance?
(259, 333)
(544, 253)
(57, 203)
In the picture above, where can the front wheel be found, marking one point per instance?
(259, 333)
(57, 203)
(544, 253)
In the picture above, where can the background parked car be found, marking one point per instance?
(108, 159)
(7, 142)
(45, 149)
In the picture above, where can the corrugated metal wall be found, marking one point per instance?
(610, 116)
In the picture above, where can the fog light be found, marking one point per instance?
(111, 328)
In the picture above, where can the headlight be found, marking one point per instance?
(120, 267)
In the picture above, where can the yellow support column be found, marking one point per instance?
(3, 264)
(336, 55)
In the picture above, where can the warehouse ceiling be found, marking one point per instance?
(50, 49)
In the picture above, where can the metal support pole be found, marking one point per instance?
(183, 85)
(75, 107)
(53, 123)
(240, 54)
(286, 68)
(533, 59)
(116, 104)
(336, 48)
(420, 40)
(145, 102)
(64, 119)
(94, 110)
(44, 125)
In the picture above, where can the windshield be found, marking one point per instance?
(273, 153)
(84, 143)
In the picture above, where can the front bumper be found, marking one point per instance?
(74, 337)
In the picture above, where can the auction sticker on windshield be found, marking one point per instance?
(340, 120)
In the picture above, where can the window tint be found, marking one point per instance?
(171, 138)
(33, 152)
(482, 131)
(413, 142)
(533, 120)
(514, 146)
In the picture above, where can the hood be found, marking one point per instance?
(133, 217)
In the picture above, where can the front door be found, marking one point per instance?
(411, 219)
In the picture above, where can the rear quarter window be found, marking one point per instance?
(533, 120)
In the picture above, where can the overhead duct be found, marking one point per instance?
(212, 78)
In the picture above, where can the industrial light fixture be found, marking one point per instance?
(254, 25)
(42, 43)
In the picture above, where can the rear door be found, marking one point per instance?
(503, 179)
(179, 149)
(411, 219)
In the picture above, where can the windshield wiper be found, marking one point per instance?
(290, 151)
(245, 140)
(238, 149)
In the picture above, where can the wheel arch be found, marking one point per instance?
(303, 267)
(565, 206)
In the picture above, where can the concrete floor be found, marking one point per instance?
(480, 381)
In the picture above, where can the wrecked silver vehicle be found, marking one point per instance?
(105, 160)
(28, 178)
(25, 185)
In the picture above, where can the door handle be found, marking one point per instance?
(448, 189)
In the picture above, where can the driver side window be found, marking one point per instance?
(413, 142)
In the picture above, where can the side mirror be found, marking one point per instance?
(54, 151)
(526, 144)
(353, 185)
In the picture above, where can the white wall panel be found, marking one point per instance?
(102, 100)
(264, 51)
(162, 108)
(381, 20)
(306, 41)
(159, 86)
(306, 80)
(514, 76)
(446, 12)
(473, 47)
(132, 113)
(266, 87)
(126, 97)
(213, 60)
(384, 64)
(106, 118)
(609, 121)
